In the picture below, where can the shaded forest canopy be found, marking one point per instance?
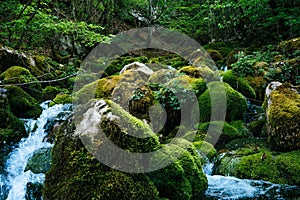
(47, 25)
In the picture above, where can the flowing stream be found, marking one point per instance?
(13, 185)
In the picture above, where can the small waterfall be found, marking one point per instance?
(15, 179)
(227, 187)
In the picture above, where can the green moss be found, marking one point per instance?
(22, 104)
(259, 84)
(289, 47)
(206, 148)
(283, 117)
(11, 128)
(239, 84)
(50, 92)
(163, 76)
(199, 72)
(61, 98)
(183, 179)
(258, 127)
(246, 163)
(216, 56)
(121, 132)
(253, 144)
(20, 75)
(101, 88)
(236, 105)
(228, 133)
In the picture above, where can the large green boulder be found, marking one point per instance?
(22, 76)
(235, 104)
(22, 104)
(283, 116)
(239, 84)
(40, 162)
(247, 163)
(11, 128)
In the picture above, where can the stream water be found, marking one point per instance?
(13, 183)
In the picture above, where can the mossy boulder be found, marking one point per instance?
(236, 105)
(40, 162)
(289, 47)
(248, 164)
(20, 75)
(101, 88)
(11, 128)
(216, 56)
(61, 98)
(283, 116)
(259, 84)
(184, 178)
(22, 104)
(199, 72)
(162, 76)
(49, 92)
(206, 148)
(220, 131)
(76, 174)
(239, 84)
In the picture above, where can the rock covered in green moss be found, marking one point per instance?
(283, 116)
(61, 98)
(40, 162)
(206, 148)
(239, 84)
(236, 105)
(11, 128)
(49, 92)
(247, 163)
(221, 131)
(290, 46)
(20, 75)
(76, 174)
(22, 104)
(198, 72)
(184, 178)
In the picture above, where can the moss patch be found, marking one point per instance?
(22, 104)
(18, 75)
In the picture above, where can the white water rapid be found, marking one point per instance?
(16, 179)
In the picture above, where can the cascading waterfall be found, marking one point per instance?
(15, 179)
(227, 187)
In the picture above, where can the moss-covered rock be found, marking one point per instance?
(228, 132)
(40, 162)
(20, 75)
(258, 127)
(76, 174)
(259, 84)
(283, 116)
(11, 128)
(239, 84)
(184, 178)
(206, 148)
(289, 47)
(236, 105)
(101, 88)
(199, 72)
(216, 56)
(50, 92)
(22, 104)
(61, 98)
(163, 76)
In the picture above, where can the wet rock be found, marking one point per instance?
(40, 162)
